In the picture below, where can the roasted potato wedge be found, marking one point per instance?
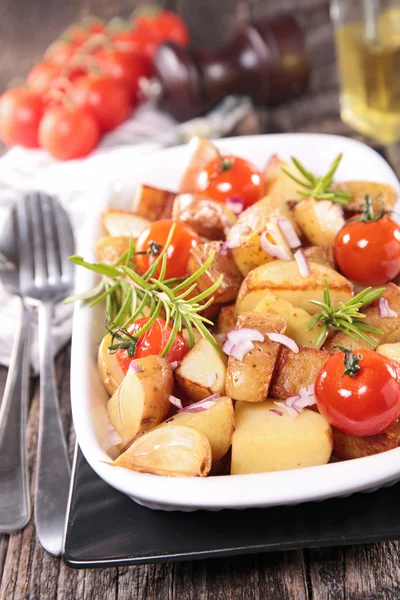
(202, 371)
(390, 326)
(297, 320)
(296, 370)
(249, 379)
(322, 255)
(265, 441)
(110, 370)
(142, 400)
(201, 152)
(390, 350)
(347, 446)
(124, 223)
(172, 451)
(109, 248)
(217, 423)
(211, 219)
(153, 203)
(276, 180)
(226, 319)
(319, 220)
(282, 279)
(383, 195)
(222, 263)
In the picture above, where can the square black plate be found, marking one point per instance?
(106, 528)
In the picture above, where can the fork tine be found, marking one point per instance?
(24, 242)
(38, 238)
(65, 239)
(52, 247)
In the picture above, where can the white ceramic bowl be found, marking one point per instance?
(89, 398)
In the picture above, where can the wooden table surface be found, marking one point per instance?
(350, 573)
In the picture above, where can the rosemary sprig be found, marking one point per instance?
(129, 295)
(318, 187)
(347, 317)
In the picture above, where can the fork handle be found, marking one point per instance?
(53, 470)
(15, 508)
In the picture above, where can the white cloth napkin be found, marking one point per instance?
(25, 170)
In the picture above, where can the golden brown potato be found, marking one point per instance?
(153, 203)
(202, 371)
(109, 248)
(110, 370)
(217, 423)
(390, 350)
(265, 441)
(249, 379)
(322, 255)
(123, 223)
(282, 279)
(294, 371)
(142, 400)
(222, 263)
(276, 180)
(201, 152)
(390, 326)
(319, 220)
(211, 219)
(172, 451)
(226, 319)
(382, 194)
(347, 446)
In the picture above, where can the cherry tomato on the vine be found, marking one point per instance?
(231, 177)
(21, 110)
(361, 397)
(152, 342)
(125, 67)
(171, 27)
(68, 132)
(41, 77)
(107, 100)
(369, 251)
(152, 240)
(60, 52)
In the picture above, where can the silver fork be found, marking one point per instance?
(46, 277)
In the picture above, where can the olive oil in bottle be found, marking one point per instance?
(369, 69)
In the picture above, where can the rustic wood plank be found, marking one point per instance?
(326, 573)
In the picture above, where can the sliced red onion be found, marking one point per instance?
(276, 412)
(235, 205)
(211, 379)
(291, 411)
(245, 334)
(115, 439)
(241, 349)
(227, 224)
(121, 417)
(289, 233)
(295, 404)
(385, 310)
(203, 405)
(302, 263)
(174, 364)
(225, 246)
(284, 340)
(176, 402)
(275, 250)
(135, 367)
(227, 347)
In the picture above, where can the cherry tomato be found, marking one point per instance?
(171, 27)
(60, 52)
(231, 177)
(152, 342)
(42, 76)
(183, 240)
(21, 110)
(124, 67)
(107, 100)
(369, 252)
(362, 404)
(68, 132)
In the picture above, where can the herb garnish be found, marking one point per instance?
(347, 317)
(318, 187)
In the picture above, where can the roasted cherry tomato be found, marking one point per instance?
(359, 392)
(107, 100)
(20, 113)
(152, 342)
(68, 132)
(152, 240)
(231, 177)
(367, 250)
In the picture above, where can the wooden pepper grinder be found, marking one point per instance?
(266, 60)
